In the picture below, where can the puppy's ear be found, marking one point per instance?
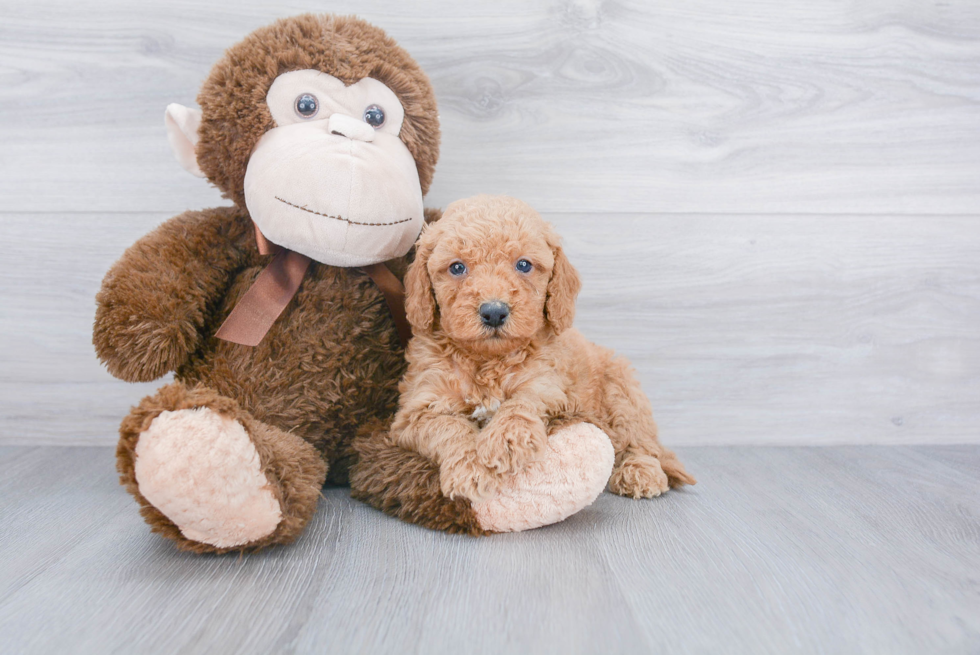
(559, 305)
(420, 299)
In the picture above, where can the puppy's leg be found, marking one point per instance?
(462, 475)
(514, 438)
(404, 484)
(448, 440)
(644, 468)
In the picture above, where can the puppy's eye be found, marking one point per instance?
(457, 268)
(523, 265)
(306, 105)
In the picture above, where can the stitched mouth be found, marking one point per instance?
(340, 218)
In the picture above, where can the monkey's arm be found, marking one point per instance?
(156, 299)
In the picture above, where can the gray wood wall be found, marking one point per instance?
(774, 204)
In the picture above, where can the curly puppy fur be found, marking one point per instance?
(404, 484)
(479, 400)
(332, 360)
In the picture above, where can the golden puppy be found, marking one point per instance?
(495, 366)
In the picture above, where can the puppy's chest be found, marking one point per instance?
(484, 390)
(482, 411)
(482, 401)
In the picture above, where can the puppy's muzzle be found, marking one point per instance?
(494, 313)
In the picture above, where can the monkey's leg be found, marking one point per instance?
(571, 474)
(404, 484)
(212, 478)
(569, 477)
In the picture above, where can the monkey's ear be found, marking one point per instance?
(559, 304)
(420, 299)
(182, 123)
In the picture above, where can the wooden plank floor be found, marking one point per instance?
(773, 203)
(857, 549)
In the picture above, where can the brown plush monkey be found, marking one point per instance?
(276, 314)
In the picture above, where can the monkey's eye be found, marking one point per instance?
(374, 116)
(307, 105)
(457, 268)
(523, 265)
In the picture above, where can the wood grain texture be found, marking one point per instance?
(768, 106)
(776, 550)
(52, 387)
(762, 312)
(772, 329)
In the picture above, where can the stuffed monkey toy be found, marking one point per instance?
(282, 315)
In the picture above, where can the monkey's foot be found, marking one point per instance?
(212, 478)
(202, 471)
(573, 472)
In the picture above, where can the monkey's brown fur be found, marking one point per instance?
(331, 362)
(533, 370)
(294, 470)
(404, 484)
(233, 96)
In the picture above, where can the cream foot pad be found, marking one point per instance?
(572, 474)
(202, 471)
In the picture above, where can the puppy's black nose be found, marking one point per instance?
(494, 313)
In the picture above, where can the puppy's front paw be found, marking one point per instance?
(468, 478)
(639, 476)
(508, 445)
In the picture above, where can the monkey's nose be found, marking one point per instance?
(350, 127)
(494, 313)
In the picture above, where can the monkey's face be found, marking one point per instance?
(333, 180)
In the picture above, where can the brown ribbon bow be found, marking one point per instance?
(265, 300)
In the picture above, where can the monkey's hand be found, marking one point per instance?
(156, 299)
